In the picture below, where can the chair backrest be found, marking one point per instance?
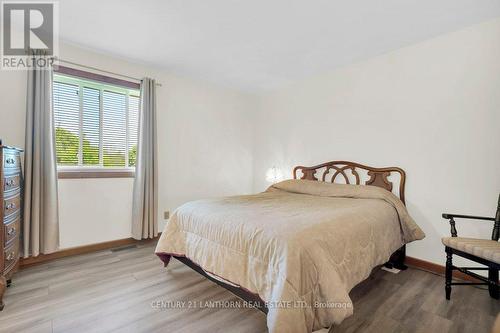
(496, 228)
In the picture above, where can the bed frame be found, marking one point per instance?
(350, 173)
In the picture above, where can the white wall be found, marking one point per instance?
(204, 143)
(432, 109)
(94, 210)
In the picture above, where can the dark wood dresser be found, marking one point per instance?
(10, 214)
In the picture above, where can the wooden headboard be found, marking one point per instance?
(330, 171)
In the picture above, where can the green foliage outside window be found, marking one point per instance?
(67, 145)
(132, 155)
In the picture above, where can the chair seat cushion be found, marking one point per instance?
(483, 248)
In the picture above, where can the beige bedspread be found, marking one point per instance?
(301, 245)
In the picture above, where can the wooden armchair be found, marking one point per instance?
(482, 251)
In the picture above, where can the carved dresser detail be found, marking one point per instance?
(10, 214)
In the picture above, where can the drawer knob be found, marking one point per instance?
(9, 182)
(11, 231)
(10, 161)
(11, 256)
(11, 206)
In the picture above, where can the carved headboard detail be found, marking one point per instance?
(350, 173)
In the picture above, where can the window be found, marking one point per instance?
(96, 124)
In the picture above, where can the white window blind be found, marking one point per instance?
(96, 124)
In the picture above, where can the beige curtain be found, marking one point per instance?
(41, 221)
(145, 195)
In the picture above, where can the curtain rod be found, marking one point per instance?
(100, 70)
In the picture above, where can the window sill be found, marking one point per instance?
(81, 174)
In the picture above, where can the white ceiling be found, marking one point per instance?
(260, 44)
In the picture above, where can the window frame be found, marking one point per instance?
(102, 83)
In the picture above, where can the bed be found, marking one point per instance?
(297, 249)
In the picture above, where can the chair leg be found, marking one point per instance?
(448, 274)
(493, 287)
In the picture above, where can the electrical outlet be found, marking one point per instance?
(166, 215)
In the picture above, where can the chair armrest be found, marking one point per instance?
(451, 216)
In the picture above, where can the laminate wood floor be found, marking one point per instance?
(113, 291)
